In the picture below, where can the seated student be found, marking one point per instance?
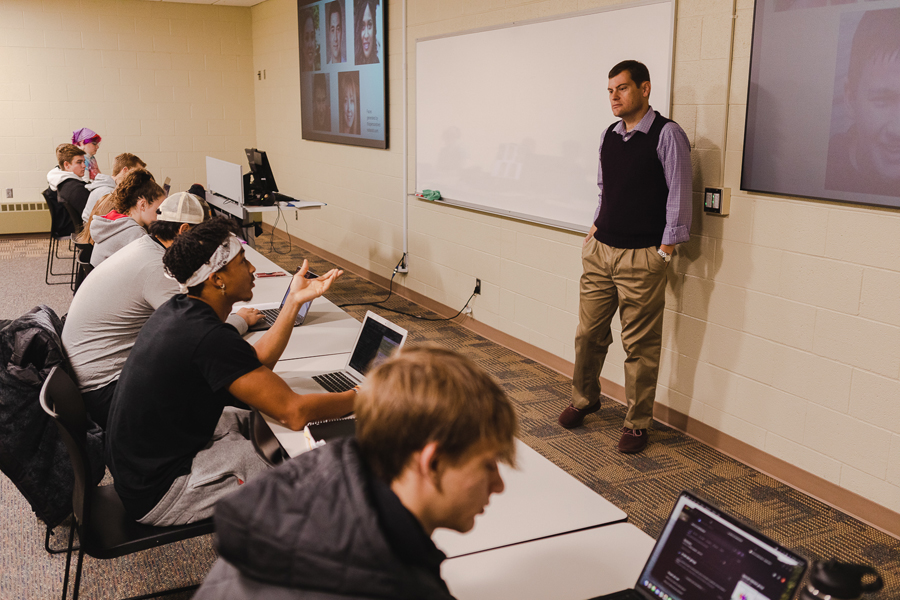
(104, 184)
(174, 442)
(113, 304)
(354, 519)
(66, 181)
(88, 141)
(136, 200)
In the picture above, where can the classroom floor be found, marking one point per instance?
(645, 486)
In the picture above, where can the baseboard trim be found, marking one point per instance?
(821, 489)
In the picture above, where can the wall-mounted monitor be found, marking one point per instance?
(823, 107)
(343, 70)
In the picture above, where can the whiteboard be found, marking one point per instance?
(509, 120)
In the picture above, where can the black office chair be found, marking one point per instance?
(83, 265)
(61, 228)
(104, 529)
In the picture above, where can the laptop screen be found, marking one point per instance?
(375, 344)
(704, 554)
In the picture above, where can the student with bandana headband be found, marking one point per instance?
(177, 423)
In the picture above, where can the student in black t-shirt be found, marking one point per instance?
(176, 437)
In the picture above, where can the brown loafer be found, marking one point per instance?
(632, 440)
(573, 417)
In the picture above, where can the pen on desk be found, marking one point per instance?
(272, 274)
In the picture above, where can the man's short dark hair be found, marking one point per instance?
(877, 38)
(164, 230)
(638, 71)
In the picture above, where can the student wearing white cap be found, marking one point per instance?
(119, 296)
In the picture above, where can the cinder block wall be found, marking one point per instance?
(169, 82)
(783, 319)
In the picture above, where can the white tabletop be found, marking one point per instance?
(540, 500)
(574, 566)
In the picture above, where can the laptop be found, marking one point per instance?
(270, 314)
(704, 554)
(378, 338)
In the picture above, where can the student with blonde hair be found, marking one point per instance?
(354, 519)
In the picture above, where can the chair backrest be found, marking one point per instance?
(61, 223)
(61, 400)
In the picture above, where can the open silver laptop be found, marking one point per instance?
(378, 338)
(704, 554)
(269, 315)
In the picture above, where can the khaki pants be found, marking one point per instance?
(634, 282)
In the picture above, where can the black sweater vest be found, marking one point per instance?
(633, 207)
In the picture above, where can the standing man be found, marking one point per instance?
(644, 210)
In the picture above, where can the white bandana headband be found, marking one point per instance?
(223, 255)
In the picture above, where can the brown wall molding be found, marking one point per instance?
(821, 489)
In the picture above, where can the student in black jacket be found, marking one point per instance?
(66, 181)
(354, 519)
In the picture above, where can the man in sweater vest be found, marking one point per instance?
(644, 210)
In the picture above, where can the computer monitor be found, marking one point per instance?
(262, 172)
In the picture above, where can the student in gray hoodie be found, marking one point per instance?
(136, 200)
(104, 184)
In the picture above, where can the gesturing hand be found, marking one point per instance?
(303, 289)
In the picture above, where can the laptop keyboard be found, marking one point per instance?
(335, 382)
(269, 315)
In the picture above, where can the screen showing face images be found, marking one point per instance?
(342, 71)
(823, 103)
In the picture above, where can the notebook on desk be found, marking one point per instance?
(704, 554)
(377, 339)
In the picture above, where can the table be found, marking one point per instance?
(573, 566)
(540, 500)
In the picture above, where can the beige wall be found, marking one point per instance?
(169, 82)
(783, 320)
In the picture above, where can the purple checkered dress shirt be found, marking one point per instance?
(674, 151)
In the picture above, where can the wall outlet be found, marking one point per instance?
(9, 192)
(477, 286)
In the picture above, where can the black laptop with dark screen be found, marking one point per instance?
(704, 554)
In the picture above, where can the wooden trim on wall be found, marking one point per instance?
(789, 474)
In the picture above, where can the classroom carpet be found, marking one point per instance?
(645, 486)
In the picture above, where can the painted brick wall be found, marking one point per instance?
(169, 82)
(782, 324)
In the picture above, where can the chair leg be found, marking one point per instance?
(69, 562)
(78, 575)
(54, 251)
(53, 550)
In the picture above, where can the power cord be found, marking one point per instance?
(379, 303)
(281, 217)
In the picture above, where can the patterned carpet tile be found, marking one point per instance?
(646, 485)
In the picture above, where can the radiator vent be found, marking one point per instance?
(22, 207)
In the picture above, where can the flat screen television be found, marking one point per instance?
(823, 105)
(343, 71)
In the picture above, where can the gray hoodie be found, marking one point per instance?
(112, 234)
(103, 185)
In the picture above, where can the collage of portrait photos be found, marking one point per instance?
(343, 71)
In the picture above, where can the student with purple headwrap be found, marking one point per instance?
(89, 141)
